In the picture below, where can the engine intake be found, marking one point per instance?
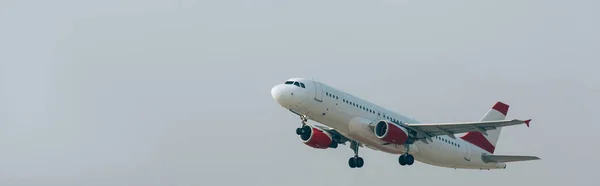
(390, 132)
(317, 138)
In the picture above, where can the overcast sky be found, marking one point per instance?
(177, 92)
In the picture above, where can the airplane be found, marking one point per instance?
(341, 117)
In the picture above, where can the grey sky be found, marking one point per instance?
(148, 92)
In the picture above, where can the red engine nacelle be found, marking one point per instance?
(391, 133)
(316, 138)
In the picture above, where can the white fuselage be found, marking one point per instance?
(350, 116)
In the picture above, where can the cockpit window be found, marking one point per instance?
(297, 83)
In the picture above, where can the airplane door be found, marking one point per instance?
(318, 91)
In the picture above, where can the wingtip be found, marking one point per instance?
(527, 122)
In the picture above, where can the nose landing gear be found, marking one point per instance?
(304, 128)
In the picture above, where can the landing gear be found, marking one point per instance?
(406, 159)
(356, 161)
(304, 129)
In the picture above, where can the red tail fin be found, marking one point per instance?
(488, 143)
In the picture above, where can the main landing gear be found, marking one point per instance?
(356, 161)
(406, 158)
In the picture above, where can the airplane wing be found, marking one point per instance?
(427, 130)
(505, 158)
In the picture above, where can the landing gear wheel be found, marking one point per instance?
(406, 159)
(402, 159)
(359, 162)
(303, 130)
(410, 159)
(356, 162)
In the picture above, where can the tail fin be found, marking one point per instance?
(488, 142)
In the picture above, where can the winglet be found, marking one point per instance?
(527, 122)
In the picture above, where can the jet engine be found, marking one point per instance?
(390, 132)
(316, 138)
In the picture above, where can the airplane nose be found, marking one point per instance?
(277, 93)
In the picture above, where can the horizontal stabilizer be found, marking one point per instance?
(506, 158)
